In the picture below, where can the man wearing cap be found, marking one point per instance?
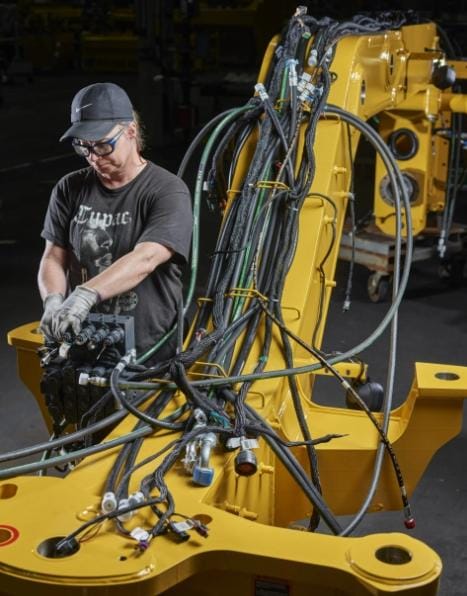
(117, 231)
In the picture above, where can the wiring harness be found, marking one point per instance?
(242, 304)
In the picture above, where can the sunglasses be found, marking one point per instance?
(99, 148)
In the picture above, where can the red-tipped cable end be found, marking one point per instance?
(409, 523)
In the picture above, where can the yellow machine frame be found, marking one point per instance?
(254, 546)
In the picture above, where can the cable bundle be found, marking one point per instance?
(242, 303)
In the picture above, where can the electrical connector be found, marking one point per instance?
(200, 528)
(203, 476)
(136, 498)
(261, 90)
(140, 534)
(85, 335)
(292, 66)
(180, 530)
(127, 515)
(64, 350)
(109, 502)
(65, 548)
(302, 82)
(246, 463)
(83, 379)
(243, 442)
(313, 57)
(308, 93)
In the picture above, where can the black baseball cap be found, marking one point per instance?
(96, 109)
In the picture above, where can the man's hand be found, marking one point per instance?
(73, 311)
(52, 303)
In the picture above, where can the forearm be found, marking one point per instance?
(129, 271)
(52, 276)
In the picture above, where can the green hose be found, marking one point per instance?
(234, 113)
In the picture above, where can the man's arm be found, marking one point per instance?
(130, 270)
(52, 276)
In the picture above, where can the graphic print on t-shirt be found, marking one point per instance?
(95, 252)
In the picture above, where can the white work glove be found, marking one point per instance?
(73, 311)
(51, 303)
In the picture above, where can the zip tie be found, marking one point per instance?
(246, 293)
(272, 184)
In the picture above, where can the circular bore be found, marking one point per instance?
(393, 555)
(403, 143)
(48, 549)
(447, 376)
(424, 563)
(8, 535)
(410, 183)
(202, 518)
(8, 491)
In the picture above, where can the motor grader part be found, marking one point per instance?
(431, 416)
(251, 544)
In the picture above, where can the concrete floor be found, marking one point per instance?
(433, 317)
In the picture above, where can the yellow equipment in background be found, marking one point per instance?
(419, 130)
(243, 495)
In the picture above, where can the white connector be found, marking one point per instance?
(136, 498)
(123, 504)
(261, 90)
(304, 79)
(293, 78)
(243, 442)
(83, 378)
(139, 534)
(313, 58)
(308, 93)
(108, 503)
(64, 349)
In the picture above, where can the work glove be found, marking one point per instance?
(52, 303)
(73, 311)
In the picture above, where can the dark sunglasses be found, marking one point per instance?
(99, 148)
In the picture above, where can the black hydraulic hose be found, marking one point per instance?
(73, 455)
(154, 410)
(121, 398)
(398, 186)
(298, 474)
(197, 140)
(72, 437)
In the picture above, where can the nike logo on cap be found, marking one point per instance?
(82, 107)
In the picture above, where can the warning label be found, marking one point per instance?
(271, 587)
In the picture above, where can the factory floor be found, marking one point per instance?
(432, 321)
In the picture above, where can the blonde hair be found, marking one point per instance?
(140, 132)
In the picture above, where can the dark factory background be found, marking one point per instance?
(182, 62)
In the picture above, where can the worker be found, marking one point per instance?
(118, 231)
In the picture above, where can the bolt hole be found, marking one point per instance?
(122, 558)
(7, 491)
(203, 518)
(393, 555)
(403, 143)
(48, 548)
(447, 376)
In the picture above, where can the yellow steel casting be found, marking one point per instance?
(254, 546)
(422, 111)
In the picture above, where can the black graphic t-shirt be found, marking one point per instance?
(99, 225)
